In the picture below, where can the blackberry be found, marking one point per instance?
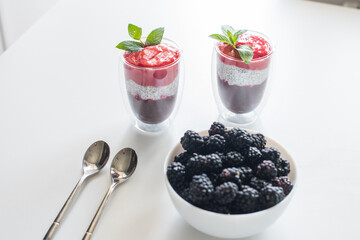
(214, 163)
(183, 157)
(238, 139)
(239, 176)
(206, 139)
(221, 155)
(196, 165)
(258, 141)
(201, 189)
(231, 175)
(202, 150)
(258, 183)
(217, 128)
(176, 175)
(284, 183)
(246, 200)
(192, 141)
(271, 153)
(214, 143)
(185, 195)
(233, 159)
(203, 164)
(270, 196)
(214, 178)
(254, 157)
(283, 167)
(225, 193)
(213, 206)
(266, 170)
(246, 174)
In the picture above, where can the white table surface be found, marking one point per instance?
(59, 93)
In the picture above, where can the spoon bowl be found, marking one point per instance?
(96, 157)
(123, 165)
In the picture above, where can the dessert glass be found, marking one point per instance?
(152, 94)
(238, 87)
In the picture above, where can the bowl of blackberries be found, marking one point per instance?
(229, 182)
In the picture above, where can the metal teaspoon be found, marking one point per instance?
(94, 160)
(122, 167)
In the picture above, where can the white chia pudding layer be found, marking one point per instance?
(150, 92)
(239, 76)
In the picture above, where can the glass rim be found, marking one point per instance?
(216, 44)
(155, 68)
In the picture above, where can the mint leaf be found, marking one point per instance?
(246, 53)
(220, 37)
(226, 28)
(155, 37)
(231, 38)
(238, 33)
(130, 46)
(134, 31)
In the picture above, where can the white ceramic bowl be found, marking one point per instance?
(229, 226)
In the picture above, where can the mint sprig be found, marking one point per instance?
(220, 37)
(230, 37)
(155, 37)
(131, 46)
(135, 33)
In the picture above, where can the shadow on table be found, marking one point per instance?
(182, 230)
(144, 143)
(256, 126)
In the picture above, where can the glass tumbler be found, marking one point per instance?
(238, 87)
(152, 94)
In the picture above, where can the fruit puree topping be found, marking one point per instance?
(153, 56)
(260, 46)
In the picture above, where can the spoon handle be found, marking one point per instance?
(93, 223)
(60, 215)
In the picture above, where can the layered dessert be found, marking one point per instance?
(241, 86)
(152, 78)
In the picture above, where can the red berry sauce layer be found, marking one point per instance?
(153, 56)
(260, 46)
(154, 66)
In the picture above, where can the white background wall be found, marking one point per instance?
(18, 15)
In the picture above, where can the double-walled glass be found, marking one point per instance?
(239, 88)
(152, 94)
